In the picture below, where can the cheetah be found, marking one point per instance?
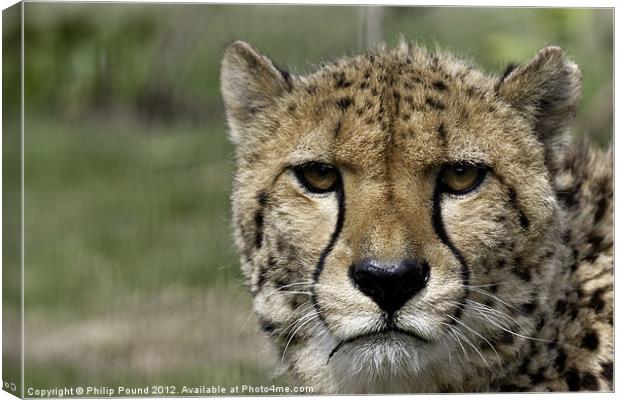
(407, 223)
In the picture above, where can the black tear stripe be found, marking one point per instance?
(440, 230)
(332, 241)
(523, 220)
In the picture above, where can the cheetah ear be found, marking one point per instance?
(250, 82)
(547, 91)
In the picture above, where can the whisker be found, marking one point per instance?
(452, 333)
(477, 334)
(514, 333)
(293, 335)
(464, 337)
(282, 288)
(483, 307)
(494, 297)
(306, 313)
(487, 285)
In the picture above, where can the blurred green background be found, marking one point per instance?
(131, 276)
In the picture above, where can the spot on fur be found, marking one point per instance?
(436, 104)
(440, 86)
(607, 371)
(590, 341)
(344, 103)
(259, 219)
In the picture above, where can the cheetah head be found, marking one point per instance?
(394, 211)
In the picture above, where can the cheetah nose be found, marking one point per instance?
(390, 286)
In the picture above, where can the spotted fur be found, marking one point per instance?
(520, 290)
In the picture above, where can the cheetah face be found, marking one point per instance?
(388, 208)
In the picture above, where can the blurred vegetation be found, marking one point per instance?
(127, 163)
(124, 212)
(161, 62)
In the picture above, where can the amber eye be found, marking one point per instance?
(461, 178)
(318, 177)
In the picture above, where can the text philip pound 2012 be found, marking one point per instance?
(158, 390)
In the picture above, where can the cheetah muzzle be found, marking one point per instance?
(407, 223)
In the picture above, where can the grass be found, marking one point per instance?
(118, 216)
(113, 208)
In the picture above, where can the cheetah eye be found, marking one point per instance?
(318, 177)
(461, 178)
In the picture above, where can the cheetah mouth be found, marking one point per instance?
(382, 336)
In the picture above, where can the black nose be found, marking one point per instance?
(390, 286)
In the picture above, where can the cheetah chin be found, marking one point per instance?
(407, 223)
(379, 359)
(387, 345)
